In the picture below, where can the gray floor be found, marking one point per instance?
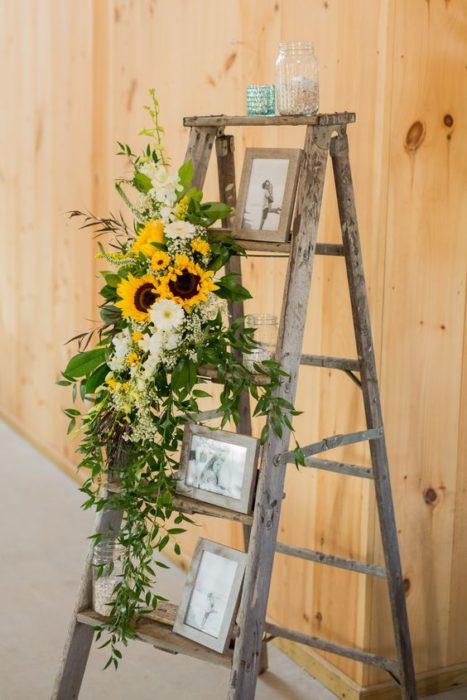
(42, 549)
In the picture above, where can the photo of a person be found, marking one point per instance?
(216, 466)
(210, 595)
(263, 205)
(268, 200)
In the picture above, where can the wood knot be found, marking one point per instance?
(406, 584)
(448, 120)
(415, 136)
(319, 616)
(430, 496)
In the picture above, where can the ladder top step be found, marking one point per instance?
(242, 120)
(156, 629)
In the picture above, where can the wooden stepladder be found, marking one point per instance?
(325, 136)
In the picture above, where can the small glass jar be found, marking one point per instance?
(297, 87)
(265, 336)
(260, 100)
(106, 573)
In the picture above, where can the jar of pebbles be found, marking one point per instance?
(106, 573)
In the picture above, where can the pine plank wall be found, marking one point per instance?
(75, 78)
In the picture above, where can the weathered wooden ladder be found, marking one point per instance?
(325, 135)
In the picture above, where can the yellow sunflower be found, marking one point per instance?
(137, 295)
(160, 260)
(187, 284)
(198, 245)
(152, 232)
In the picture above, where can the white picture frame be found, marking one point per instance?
(211, 594)
(218, 467)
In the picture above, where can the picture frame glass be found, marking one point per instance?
(216, 466)
(210, 596)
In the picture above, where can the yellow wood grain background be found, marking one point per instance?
(75, 77)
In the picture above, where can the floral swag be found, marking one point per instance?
(163, 317)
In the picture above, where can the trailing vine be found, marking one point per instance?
(163, 318)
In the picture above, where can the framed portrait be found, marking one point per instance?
(219, 467)
(211, 594)
(267, 194)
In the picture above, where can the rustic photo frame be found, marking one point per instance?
(218, 467)
(267, 191)
(211, 594)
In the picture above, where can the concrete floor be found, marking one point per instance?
(42, 550)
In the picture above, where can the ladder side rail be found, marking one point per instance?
(225, 147)
(199, 149)
(78, 643)
(253, 605)
(372, 404)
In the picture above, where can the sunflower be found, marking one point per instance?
(137, 295)
(198, 245)
(187, 284)
(160, 260)
(152, 232)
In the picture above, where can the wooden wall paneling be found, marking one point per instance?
(424, 312)
(9, 195)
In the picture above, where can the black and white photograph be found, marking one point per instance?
(267, 193)
(210, 597)
(210, 594)
(218, 467)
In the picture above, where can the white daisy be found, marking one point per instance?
(180, 229)
(166, 314)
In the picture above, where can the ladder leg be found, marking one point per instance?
(228, 195)
(79, 640)
(371, 398)
(251, 620)
(199, 150)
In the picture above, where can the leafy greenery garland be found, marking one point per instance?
(146, 468)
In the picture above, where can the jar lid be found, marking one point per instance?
(296, 46)
(254, 320)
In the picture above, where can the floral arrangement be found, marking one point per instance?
(163, 317)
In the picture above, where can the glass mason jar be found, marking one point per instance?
(106, 573)
(265, 336)
(297, 87)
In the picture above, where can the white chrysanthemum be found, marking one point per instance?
(180, 229)
(155, 344)
(171, 340)
(166, 314)
(121, 343)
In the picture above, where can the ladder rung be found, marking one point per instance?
(343, 363)
(365, 657)
(187, 505)
(360, 567)
(282, 247)
(331, 443)
(339, 467)
(210, 372)
(206, 415)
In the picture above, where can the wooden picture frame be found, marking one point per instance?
(266, 197)
(211, 594)
(218, 467)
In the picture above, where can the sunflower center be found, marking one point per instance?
(185, 286)
(145, 296)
